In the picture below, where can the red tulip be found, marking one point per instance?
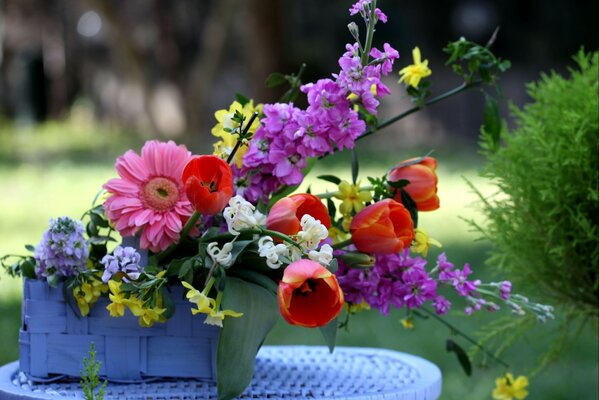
(423, 183)
(309, 294)
(286, 214)
(385, 227)
(208, 183)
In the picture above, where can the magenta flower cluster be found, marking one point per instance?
(400, 280)
(288, 136)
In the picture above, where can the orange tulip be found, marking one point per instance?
(208, 183)
(423, 183)
(385, 227)
(309, 294)
(286, 214)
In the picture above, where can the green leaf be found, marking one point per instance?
(238, 247)
(333, 266)
(241, 338)
(398, 184)
(410, 204)
(275, 79)
(355, 165)
(330, 178)
(463, 359)
(167, 302)
(241, 99)
(28, 269)
(329, 333)
(185, 268)
(332, 209)
(30, 248)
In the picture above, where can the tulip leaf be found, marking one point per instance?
(413, 161)
(463, 359)
(329, 332)
(410, 204)
(330, 178)
(241, 338)
(238, 247)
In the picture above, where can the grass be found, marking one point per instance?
(34, 193)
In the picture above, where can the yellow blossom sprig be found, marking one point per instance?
(87, 293)
(230, 130)
(412, 74)
(207, 305)
(508, 388)
(352, 198)
(422, 242)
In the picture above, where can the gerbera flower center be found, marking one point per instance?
(160, 193)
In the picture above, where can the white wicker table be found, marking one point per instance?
(282, 372)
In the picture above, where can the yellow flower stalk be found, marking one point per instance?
(118, 301)
(422, 242)
(87, 294)
(147, 316)
(204, 304)
(353, 308)
(508, 388)
(412, 74)
(407, 323)
(216, 317)
(352, 199)
(226, 127)
(337, 235)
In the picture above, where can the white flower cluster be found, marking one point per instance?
(221, 256)
(241, 214)
(312, 233)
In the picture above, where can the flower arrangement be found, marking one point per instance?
(228, 228)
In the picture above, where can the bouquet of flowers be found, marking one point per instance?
(229, 228)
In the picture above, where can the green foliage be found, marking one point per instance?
(542, 223)
(90, 379)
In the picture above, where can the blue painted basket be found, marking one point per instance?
(53, 340)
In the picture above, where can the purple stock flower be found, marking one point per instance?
(505, 289)
(442, 305)
(363, 7)
(445, 268)
(123, 259)
(460, 281)
(63, 250)
(386, 57)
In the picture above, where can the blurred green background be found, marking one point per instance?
(82, 82)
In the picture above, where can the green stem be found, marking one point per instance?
(465, 336)
(241, 138)
(464, 86)
(276, 234)
(190, 224)
(330, 195)
(343, 244)
(369, 34)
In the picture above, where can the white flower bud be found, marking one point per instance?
(241, 214)
(221, 256)
(323, 256)
(271, 252)
(312, 233)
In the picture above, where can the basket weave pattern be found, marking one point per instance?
(54, 340)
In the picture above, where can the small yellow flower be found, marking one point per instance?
(407, 323)
(352, 199)
(337, 235)
(422, 242)
(508, 388)
(357, 307)
(216, 317)
(118, 301)
(147, 316)
(204, 304)
(87, 294)
(412, 74)
(225, 129)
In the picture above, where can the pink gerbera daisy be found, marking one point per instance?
(149, 196)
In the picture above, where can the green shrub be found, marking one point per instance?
(542, 221)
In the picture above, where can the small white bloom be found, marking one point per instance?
(241, 214)
(312, 233)
(221, 256)
(323, 256)
(270, 251)
(214, 321)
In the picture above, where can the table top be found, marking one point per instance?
(281, 372)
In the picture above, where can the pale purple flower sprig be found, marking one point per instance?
(363, 8)
(63, 250)
(123, 259)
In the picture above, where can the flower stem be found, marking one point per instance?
(342, 244)
(190, 224)
(369, 33)
(464, 86)
(276, 234)
(465, 336)
(241, 138)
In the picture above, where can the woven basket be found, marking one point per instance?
(54, 340)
